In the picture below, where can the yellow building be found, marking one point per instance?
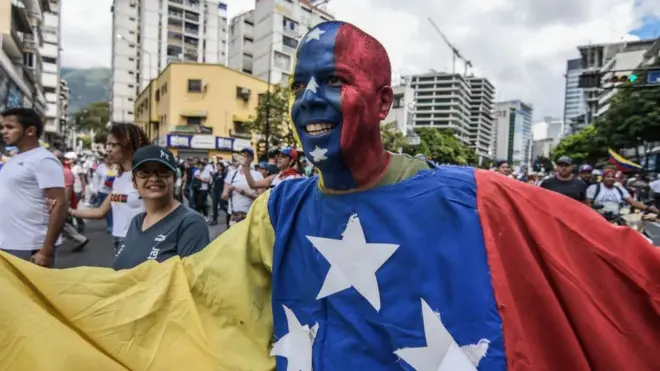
(199, 110)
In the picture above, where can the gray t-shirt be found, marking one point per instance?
(183, 232)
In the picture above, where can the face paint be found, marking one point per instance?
(340, 85)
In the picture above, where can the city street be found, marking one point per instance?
(99, 252)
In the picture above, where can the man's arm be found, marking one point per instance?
(50, 178)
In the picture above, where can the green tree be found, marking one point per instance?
(100, 137)
(443, 147)
(86, 142)
(586, 146)
(94, 116)
(633, 120)
(273, 108)
(393, 139)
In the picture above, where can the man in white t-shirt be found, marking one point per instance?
(610, 195)
(32, 200)
(237, 190)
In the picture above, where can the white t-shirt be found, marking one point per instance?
(24, 215)
(610, 198)
(77, 171)
(205, 174)
(126, 203)
(238, 202)
(103, 178)
(279, 179)
(655, 186)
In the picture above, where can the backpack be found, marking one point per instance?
(615, 187)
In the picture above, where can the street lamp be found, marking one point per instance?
(413, 138)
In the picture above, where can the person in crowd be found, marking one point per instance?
(611, 196)
(565, 182)
(655, 190)
(70, 231)
(102, 181)
(217, 187)
(287, 163)
(202, 178)
(124, 202)
(79, 185)
(585, 173)
(237, 191)
(503, 167)
(166, 228)
(31, 184)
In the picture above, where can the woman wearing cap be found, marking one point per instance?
(287, 162)
(123, 202)
(166, 228)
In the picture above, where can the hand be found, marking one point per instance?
(71, 212)
(42, 259)
(653, 209)
(230, 187)
(244, 161)
(51, 204)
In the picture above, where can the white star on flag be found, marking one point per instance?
(296, 346)
(312, 85)
(353, 262)
(441, 352)
(319, 154)
(314, 34)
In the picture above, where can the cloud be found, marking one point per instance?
(520, 45)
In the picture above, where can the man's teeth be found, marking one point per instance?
(318, 129)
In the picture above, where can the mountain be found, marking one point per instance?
(87, 85)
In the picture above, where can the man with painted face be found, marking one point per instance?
(380, 263)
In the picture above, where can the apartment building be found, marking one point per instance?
(21, 38)
(513, 139)
(150, 34)
(596, 57)
(263, 41)
(180, 109)
(50, 76)
(481, 128)
(402, 110)
(442, 101)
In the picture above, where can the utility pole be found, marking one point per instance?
(270, 67)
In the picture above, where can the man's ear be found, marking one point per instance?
(386, 98)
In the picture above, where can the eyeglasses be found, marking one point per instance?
(160, 173)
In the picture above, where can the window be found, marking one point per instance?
(49, 60)
(222, 6)
(131, 32)
(240, 127)
(28, 59)
(194, 121)
(289, 23)
(130, 86)
(131, 59)
(131, 19)
(398, 101)
(194, 85)
(282, 61)
(290, 42)
(130, 99)
(49, 89)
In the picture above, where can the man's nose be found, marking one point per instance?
(310, 99)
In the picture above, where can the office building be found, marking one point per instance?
(542, 148)
(574, 99)
(442, 101)
(50, 76)
(481, 128)
(179, 109)
(263, 41)
(594, 59)
(150, 34)
(20, 58)
(513, 139)
(550, 127)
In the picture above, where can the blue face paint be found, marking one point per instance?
(318, 100)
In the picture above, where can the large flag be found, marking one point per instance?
(622, 163)
(452, 269)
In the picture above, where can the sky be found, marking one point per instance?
(520, 45)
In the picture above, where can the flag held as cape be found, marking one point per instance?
(622, 163)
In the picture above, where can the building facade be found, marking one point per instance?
(402, 110)
(21, 37)
(481, 129)
(513, 140)
(574, 99)
(50, 77)
(442, 101)
(621, 61)
(150, 34)
(179, 109)
(263, 41)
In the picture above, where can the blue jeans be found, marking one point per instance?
(108, 218)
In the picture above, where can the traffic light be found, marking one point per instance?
(589, 80)
(631, 78)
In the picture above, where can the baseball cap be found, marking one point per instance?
(565, 160)
(154, 153)
(248, 150)
(288, 151)
(263, 165)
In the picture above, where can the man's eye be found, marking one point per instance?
(297, 87)
(334, 81)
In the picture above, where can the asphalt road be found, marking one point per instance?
(100, 251)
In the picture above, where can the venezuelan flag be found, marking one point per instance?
(621, 163)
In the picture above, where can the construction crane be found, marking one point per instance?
(456, 53)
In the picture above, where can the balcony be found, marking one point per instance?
(20, 17)
(29, 42)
